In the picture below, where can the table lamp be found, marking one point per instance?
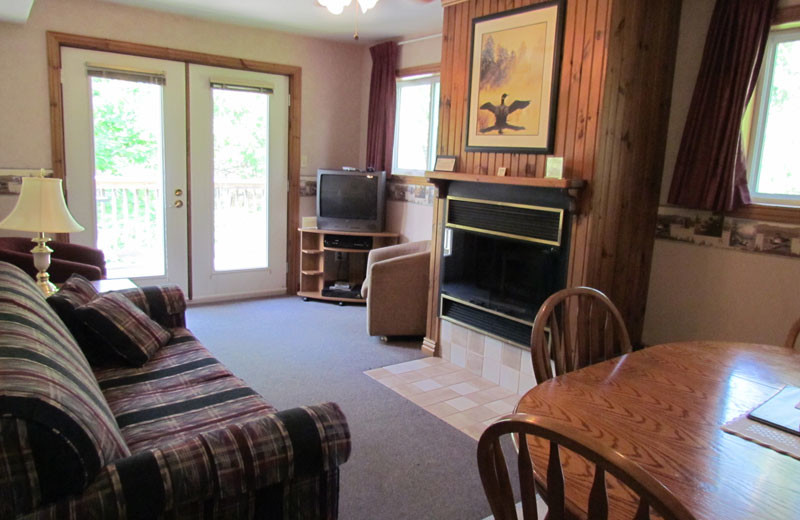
(41, 209)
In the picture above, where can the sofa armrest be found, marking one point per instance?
(165, 304)
(278, 451)
(60, 270)
(79, 253)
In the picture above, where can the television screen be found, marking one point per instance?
(348, 197)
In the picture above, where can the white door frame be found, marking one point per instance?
(80, 164)
(58, 40)
(208, 284)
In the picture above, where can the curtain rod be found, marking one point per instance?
(421, 38)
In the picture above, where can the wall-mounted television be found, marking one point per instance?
(351, 200)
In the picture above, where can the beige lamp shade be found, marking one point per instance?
(41, 208)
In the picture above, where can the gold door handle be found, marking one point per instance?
(178, 204)
(178, 192)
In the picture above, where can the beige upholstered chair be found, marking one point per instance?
(584, 328)
(396, 289)
(497, 485)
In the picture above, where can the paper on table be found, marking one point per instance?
(780, 410)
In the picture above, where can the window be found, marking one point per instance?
(775, 168)
(416, 124)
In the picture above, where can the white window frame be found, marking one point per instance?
(421, 79)
(762, 105)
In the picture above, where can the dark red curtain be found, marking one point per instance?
(380, 125)
(710, 171)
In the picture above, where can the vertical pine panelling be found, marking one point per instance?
(630, 154)
(576, 109)
(615, 83)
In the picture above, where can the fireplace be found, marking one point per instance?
(505, 250)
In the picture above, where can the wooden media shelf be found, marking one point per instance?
(342, 261)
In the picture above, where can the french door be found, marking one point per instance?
(216, 228)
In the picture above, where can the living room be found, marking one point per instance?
(689, 290)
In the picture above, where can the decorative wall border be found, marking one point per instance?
(709, 229)
(414, 193)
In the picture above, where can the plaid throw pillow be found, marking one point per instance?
(77, 291)
(123, 327)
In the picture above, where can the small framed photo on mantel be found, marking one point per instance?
(445, 163)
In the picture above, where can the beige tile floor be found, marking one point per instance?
(452, 393)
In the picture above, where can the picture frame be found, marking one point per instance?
(515, 64)
(445, 163)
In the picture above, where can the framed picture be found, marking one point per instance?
(514, 76)
(445, 163)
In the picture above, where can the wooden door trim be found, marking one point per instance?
(57, 40)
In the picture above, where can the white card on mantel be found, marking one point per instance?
(555, 168)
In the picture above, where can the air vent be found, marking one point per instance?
(492, 323)
(517, 221)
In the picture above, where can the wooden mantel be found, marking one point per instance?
(441, 178)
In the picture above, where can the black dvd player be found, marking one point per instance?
(348, 241)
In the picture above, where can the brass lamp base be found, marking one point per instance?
(41, 260)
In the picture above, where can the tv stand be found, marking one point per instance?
(329, 270)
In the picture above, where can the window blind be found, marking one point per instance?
(141, 76)
(241, 88)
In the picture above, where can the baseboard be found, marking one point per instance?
(428, 346)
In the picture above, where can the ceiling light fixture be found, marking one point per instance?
(337, 6)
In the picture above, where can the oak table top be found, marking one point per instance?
(663, 408)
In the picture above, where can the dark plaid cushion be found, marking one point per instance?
(49, 397)
(123, 327)
(77, 291)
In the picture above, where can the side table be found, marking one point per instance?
(114, 284)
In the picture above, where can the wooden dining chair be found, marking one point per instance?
(794, 332)
(497, 485)
(575, 328)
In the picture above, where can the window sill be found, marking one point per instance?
(768, 212)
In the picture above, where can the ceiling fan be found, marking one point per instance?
(337, 7)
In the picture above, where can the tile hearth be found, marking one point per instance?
(452, 393)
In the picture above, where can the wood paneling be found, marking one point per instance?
(579, 92)
(613, 106)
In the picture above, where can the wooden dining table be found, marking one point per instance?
(663, 407)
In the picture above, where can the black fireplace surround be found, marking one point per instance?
(506, 249)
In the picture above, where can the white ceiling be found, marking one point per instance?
(16, 11)
(389, 19)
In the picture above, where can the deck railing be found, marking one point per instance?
(130, 219)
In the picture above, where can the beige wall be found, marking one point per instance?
(705, 293)
(332, 90)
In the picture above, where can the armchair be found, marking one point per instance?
(396, 289)
(65, 260)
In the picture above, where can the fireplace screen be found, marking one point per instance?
(502, 262)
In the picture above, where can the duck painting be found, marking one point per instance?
(501, 113)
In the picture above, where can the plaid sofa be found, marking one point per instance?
(180, 437)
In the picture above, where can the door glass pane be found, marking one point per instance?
(241, 156)
(129, 176)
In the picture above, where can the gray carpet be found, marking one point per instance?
(405, 463)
